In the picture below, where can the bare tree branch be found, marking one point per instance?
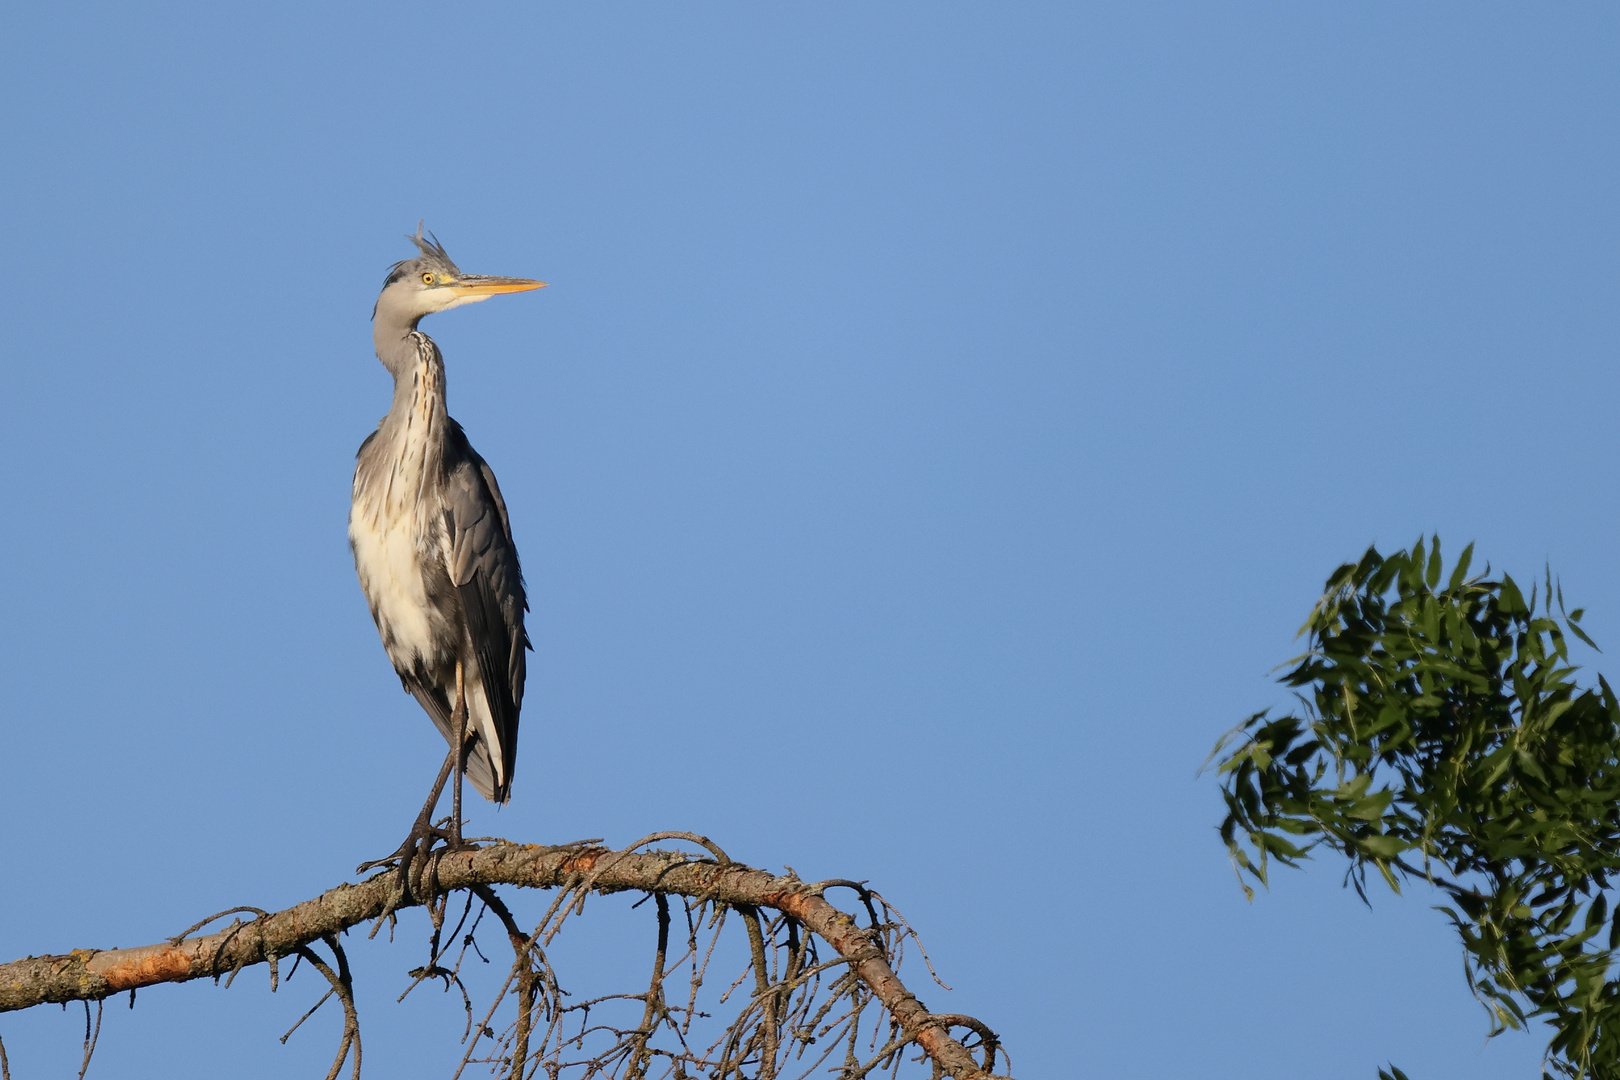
(576, 870)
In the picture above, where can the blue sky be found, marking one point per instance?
(940, 419)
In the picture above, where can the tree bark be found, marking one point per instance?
(93, 974)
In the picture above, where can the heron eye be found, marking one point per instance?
(427, 279)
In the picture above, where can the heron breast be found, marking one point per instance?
(395, 576)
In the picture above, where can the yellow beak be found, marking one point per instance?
(480, 285)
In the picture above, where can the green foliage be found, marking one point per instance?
(1441, 736)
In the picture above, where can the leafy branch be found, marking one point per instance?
(1440, 735)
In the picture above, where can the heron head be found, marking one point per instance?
(432, 282)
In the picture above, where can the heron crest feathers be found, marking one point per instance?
(431, 249)
(432, 257)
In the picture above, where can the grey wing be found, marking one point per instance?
(484, 568)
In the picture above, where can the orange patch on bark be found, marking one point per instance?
(143, 969)
(581, 864)
(790, 903)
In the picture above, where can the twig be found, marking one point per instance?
(343, 987)
(762, 990)
(194, 927)
(521, 944)
(654, 1012)
(90, 1038)
(307, 1015)
(987, 1038)
(435, 954)
(912, 934)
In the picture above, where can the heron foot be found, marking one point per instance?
(417, 859)
(423, 841)
(416, 866)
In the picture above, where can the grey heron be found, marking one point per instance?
(433, 545)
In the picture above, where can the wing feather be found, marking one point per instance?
(484, 568)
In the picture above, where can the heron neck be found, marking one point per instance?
(418, 370)
(392, 337)
(411, 438)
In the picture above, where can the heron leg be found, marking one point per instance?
(458, 719)
(422, 834)
(418, 845)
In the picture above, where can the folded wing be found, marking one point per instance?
(484, 568)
